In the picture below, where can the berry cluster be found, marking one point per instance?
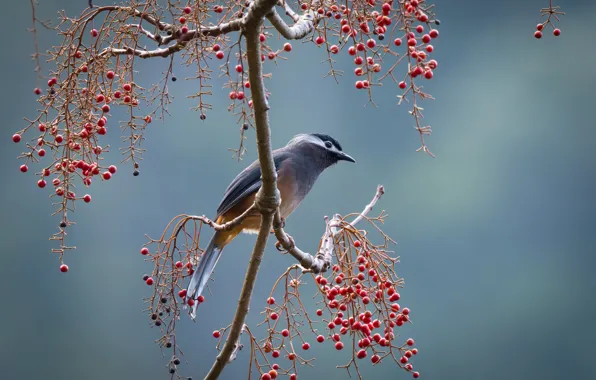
(174, 256)
(358, 311)
(550, 13)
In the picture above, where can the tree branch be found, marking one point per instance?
(304, 25)
(322, 261)
(268, 198)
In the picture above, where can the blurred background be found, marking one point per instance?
(496, 235)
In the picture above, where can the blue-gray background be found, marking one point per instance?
(497, 234)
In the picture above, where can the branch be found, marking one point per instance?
(304, 25)
(268, 198)
(322, 261)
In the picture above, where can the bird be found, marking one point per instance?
(298, 165)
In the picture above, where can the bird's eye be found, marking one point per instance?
(328, 144)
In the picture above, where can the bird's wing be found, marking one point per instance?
(246, 183)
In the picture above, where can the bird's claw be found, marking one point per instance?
(280, 247)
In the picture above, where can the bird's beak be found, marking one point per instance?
(345, 157)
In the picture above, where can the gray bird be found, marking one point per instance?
(298, 166)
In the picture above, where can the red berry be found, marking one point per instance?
(106, 175)
(320, 338)
(112, 169)
(63, 268)
(182, 20)
(285, 333)
(402, 85)
(16, 138)
(415, 375)
(375, 358)
(287, 47)
(178, 264)
(184, 29)
(262, 37)
(187, 10)
(433, 33)
(557, 32)
(201, 299)
(293, 376)
(87, 198)
(270, 300)
(24, 168)
(538, 34)
(190, 302)
(405, 311)
(216, 334)
(105, 108)
(41, 183)
(182, 293)
(420, 29)
(371, 43)
(403, 360)
(334, 49)
(412, 42)
(361, 354)
(149, 281)
(428, 74)
(94, 33)
(414, 351)
(110, 74)
(357, 244)
(539, 26)
(359, 85)
(273, 316)
(100, 98)
(410, 342)
(339, 345)
(305, 346)
(397, 42)
(266, 376)
(219, 55)
(319, 40)
(144, 251)
(319, 312)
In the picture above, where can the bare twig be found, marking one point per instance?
(322, 261)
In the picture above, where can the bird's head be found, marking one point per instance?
(322, 146)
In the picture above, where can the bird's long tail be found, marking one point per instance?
(201, 275)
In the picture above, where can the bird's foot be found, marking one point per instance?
(281, 248)
(283, 224)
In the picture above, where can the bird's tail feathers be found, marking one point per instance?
(203, 272)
